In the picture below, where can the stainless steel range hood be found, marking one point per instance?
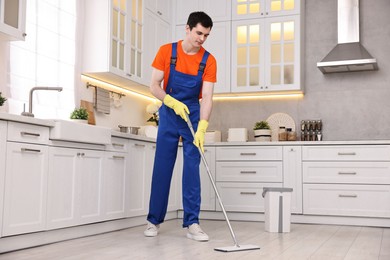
(348, 55)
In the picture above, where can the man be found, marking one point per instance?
(189, 73)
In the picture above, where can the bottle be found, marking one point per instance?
(282, 134)
(291, 135)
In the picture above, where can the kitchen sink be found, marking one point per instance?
(66, 130)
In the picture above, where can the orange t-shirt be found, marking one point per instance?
(185, 63)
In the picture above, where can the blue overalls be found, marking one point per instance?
(185, 88)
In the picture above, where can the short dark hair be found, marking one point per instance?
(199, 17)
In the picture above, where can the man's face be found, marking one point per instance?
(198, 35)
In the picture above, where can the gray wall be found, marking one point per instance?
(353, 106)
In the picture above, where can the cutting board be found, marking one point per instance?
(91, 114)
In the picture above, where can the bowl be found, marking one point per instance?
(128, 129)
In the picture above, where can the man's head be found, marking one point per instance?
(198, 28)
(199, 17)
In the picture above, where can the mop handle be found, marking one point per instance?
(213, 183)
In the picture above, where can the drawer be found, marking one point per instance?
(243, 197)
(346, 153)
(248, 153)
(250, 171)
(26, 133)
(347, 172)
(118, 145)
(346, 200)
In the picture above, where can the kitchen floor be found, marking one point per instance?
(303, 242)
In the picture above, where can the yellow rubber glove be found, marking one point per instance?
(179, 107)
(199, 135)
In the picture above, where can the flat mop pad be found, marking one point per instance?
(236, 248)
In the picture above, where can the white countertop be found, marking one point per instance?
(26, 119)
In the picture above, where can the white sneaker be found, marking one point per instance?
(151, 230)
(196, 233)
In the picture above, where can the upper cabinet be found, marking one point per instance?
(252, 9)
(12, 19)
(161, 8)
(113, 41)
(218, 10)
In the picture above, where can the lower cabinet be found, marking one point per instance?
(25, 191)
(74, 187)
(3, 150)
(292, 175)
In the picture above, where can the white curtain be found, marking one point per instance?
(47, 58)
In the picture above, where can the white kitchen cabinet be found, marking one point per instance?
(115, 175)
(74, 187)
(347, 180)
(161, 8)
(25, 191)
(159, 33)
(252, 9)
(3, 151)
(243, 171)
(218, 10)
(292, 175)
(12, 19)
(114, 31)
(266, 54)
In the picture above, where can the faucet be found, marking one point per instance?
(30, 100)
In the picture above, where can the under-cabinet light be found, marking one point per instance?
(270, 96)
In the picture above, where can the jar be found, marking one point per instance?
(291, 135)
(282, 134)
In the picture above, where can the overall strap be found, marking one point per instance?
(202, 64)
(174, 55)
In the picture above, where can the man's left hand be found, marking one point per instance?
(199, 135)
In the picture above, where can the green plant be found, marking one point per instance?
(2, 100)
(261, 125)
(79, 113)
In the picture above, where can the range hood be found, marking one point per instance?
(348, 55)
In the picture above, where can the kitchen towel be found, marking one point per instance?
(102, 100)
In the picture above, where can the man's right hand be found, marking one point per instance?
(179, 107)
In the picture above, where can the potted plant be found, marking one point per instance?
(262, 131)
(2, 101)
(79, 115)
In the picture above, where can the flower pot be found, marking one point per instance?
(263, 135)
(81, 121)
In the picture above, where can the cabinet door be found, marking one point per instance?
(138, 183)
(89, 186)
(26, 189)
(183, 10)
(282, 52)
(62, 200)
(218, 10)
(207, 191)
(292, 175)
(248, 59)
(162, 8)
(135, 37)
(12, 19)
(114, 183)
(3, 150)
(119, 43)
(250, 9)
(218, 44)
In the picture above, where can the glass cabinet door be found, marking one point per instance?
(248, 55)
(248, 9)
(118, 40)
(282, 63)
(13, 19)
(136, 38)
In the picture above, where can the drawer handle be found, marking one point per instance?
(139, 145)
(118, 157)
(154, 147)
(347, 196)
(80, 154)
(30, 150)
(248, 172)
(30, 134)
(120, 145)
(247, 153)
(353, 153)
(347, 173)
(247, 193)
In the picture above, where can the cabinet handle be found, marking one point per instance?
(30, 150)
(154, 147)
(120, 145)
(139, 145)
(160, 13)
(353, 153)
(347, 173)
(247, 193)
(248, 172)
(247, 153)
(80, 154)
(128, 74)
(30, 134)
(118, 157)
(347, 196)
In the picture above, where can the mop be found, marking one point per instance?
(236, 246)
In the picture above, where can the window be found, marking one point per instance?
(47, 58)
